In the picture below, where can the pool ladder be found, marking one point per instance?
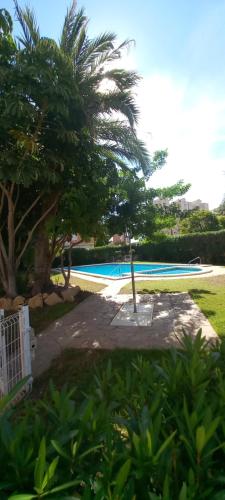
(196, 260)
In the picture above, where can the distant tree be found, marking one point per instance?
(221, 208)
(134, 210)
(199, 221)
(221, 219)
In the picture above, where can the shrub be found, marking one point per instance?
(209, 246)
(146, 431)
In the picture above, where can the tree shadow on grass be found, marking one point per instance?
(208, 313)
(196, 293)
(154, 291)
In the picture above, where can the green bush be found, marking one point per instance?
(149, 431)
(209, 246)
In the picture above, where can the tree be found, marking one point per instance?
(29, 84)
(134, 210)
(198, 221)
(221, 220)
(221, 208)
(53, 113)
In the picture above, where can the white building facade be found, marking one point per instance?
(182, 203)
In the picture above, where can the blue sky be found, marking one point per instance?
(179, 52)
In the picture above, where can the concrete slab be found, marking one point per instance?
(127, 317)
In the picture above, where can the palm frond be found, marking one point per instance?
(74, 23)
(79, 49)
(6, 24)
(121, 102)
(121, 140)
(28, 23)
(102, 44)
(107, 154)
(123, 79)
(117, 51)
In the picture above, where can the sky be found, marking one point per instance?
(179, 52)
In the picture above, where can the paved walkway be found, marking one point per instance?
(89, 325)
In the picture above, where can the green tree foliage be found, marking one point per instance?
(134, 209)
(221, 208)
(221, 220)
(199, 221)
(56, 115)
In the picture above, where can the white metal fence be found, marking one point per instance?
(15, 351)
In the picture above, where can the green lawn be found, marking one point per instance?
(208, 293)
(85, 285)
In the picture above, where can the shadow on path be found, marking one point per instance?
(88, 326)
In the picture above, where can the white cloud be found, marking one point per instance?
(189, 129)
(187, 122)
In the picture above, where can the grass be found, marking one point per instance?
(75, 367)
(85, 285)
(208, 293)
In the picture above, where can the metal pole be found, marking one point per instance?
(132, 278)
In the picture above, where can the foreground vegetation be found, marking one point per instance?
(149, 427)
(208, 293)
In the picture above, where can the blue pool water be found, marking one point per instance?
(121, 270)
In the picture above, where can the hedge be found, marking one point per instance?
(95, 255)
(209, 246)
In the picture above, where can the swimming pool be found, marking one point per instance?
(122, 270)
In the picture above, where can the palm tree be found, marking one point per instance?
(112, 114)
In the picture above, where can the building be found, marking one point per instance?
(161, 202)
(117, 239)
(77, 242)
(121, 239)
(183, 204)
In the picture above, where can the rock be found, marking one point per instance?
(6, 303)
(76, 290)
(45, 295)
(53, 299)
(35, 301)
(18, 301)
(69, 293)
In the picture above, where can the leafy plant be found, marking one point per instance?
(150, 430)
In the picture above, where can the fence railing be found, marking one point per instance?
(15, 351)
